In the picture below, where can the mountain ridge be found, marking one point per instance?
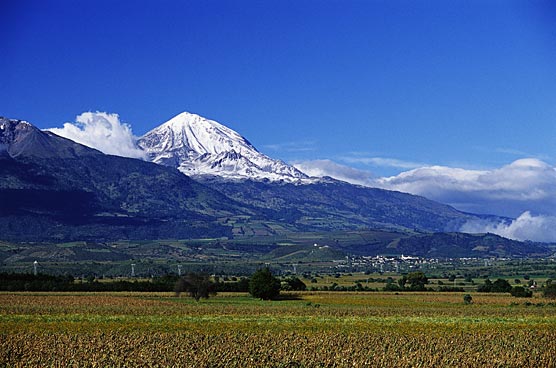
(70, 191)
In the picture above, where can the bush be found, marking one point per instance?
(550, 291)
(391, 287)
(498, 286)
(521, 292)
(451, 289)
(264, 285)
(467, 299)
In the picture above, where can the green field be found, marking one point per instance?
(311, 329)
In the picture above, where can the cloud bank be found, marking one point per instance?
(525, 227)
(102, 131)
(524, 185)
(518, 190)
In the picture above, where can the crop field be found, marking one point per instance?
(310, 329)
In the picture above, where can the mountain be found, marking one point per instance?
(201, 147)
(336, 205)
(54, 188)
(227, 162)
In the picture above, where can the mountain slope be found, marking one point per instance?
(224, 160)
(200, 147)
(334, 205)
(51, 187)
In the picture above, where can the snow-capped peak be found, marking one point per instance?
(201, 135)
(198, 147)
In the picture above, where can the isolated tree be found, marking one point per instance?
(198, 285)
(467, 299)
(264, 285)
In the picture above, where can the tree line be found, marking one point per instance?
(261, 284)
(43, 282)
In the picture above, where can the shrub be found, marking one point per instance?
(293, 283)
(521, 292)
(550, 291)
(391, 287)
(498, 286)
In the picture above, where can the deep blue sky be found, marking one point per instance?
(456, 83)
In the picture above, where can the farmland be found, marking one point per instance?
(310, 329)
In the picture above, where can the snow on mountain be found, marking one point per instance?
(203, 147)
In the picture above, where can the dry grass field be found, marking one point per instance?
(316, 329)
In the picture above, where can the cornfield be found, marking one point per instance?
(314, 330)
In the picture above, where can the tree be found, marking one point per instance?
(415, 280)
(293, 283)
(467, 299)
(198, 285)
(264, 285)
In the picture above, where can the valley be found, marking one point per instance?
(329, 252)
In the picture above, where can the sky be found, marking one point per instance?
(454, 100)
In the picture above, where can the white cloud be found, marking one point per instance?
(526, 184)
(525, 227)
(320, 168)
(523, 185)
(102, 131)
